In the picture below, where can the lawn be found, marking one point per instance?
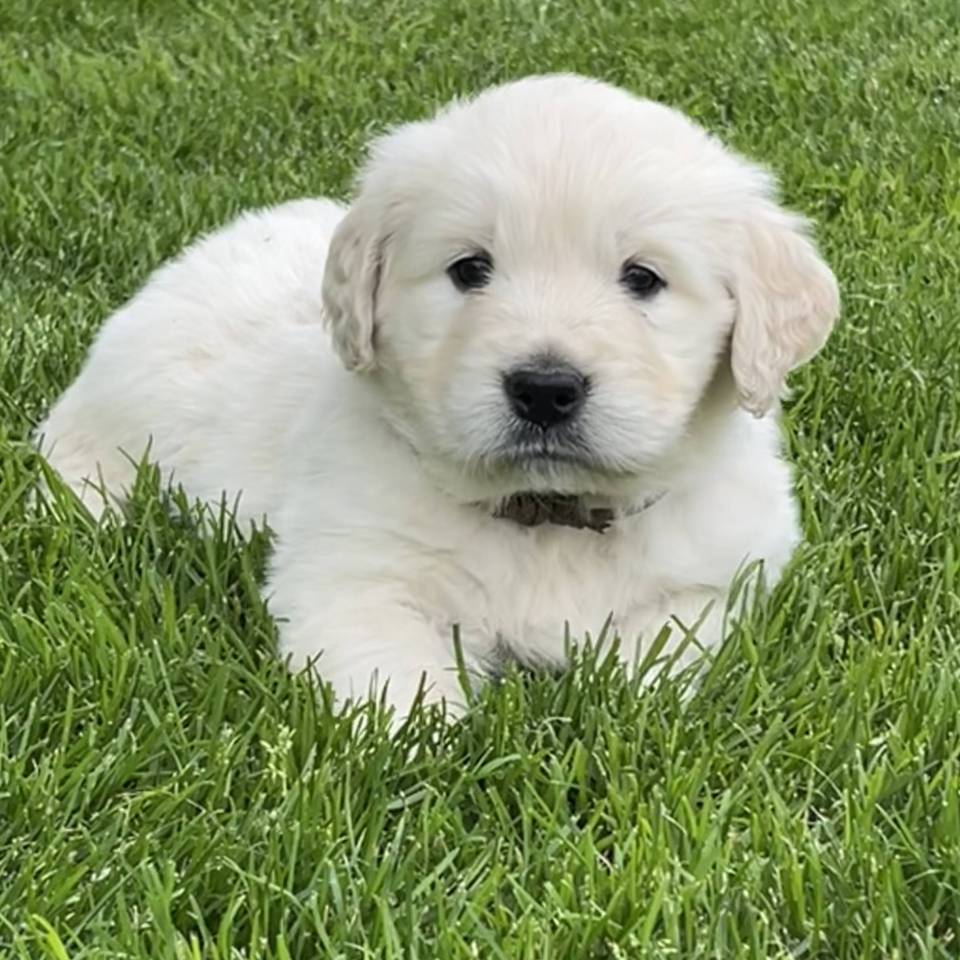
(168, 791)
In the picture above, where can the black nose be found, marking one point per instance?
(546, 397)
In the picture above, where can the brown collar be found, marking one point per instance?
(564, 510)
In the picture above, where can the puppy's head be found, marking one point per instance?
(544, 281)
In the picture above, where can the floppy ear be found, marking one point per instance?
(786, 303)
(350, 284)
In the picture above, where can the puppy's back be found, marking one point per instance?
(209, 364)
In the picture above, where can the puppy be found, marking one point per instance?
(560, 318)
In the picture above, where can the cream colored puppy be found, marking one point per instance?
(560, 318)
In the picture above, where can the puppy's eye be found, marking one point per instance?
(471, 273)
(641, 281)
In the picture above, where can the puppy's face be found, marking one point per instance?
(546, 279)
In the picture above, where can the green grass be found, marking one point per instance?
(167, 791)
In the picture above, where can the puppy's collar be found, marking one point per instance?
(566, 510)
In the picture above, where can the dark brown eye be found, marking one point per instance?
(471, 273)
(641, 281)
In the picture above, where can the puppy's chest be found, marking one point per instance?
(527, 588)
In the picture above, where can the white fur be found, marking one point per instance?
(380, 462)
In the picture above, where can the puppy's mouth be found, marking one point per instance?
(544, 451)
(545, 459)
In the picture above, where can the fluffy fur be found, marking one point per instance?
(381, 461)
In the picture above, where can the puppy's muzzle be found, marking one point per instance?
(546, 397)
